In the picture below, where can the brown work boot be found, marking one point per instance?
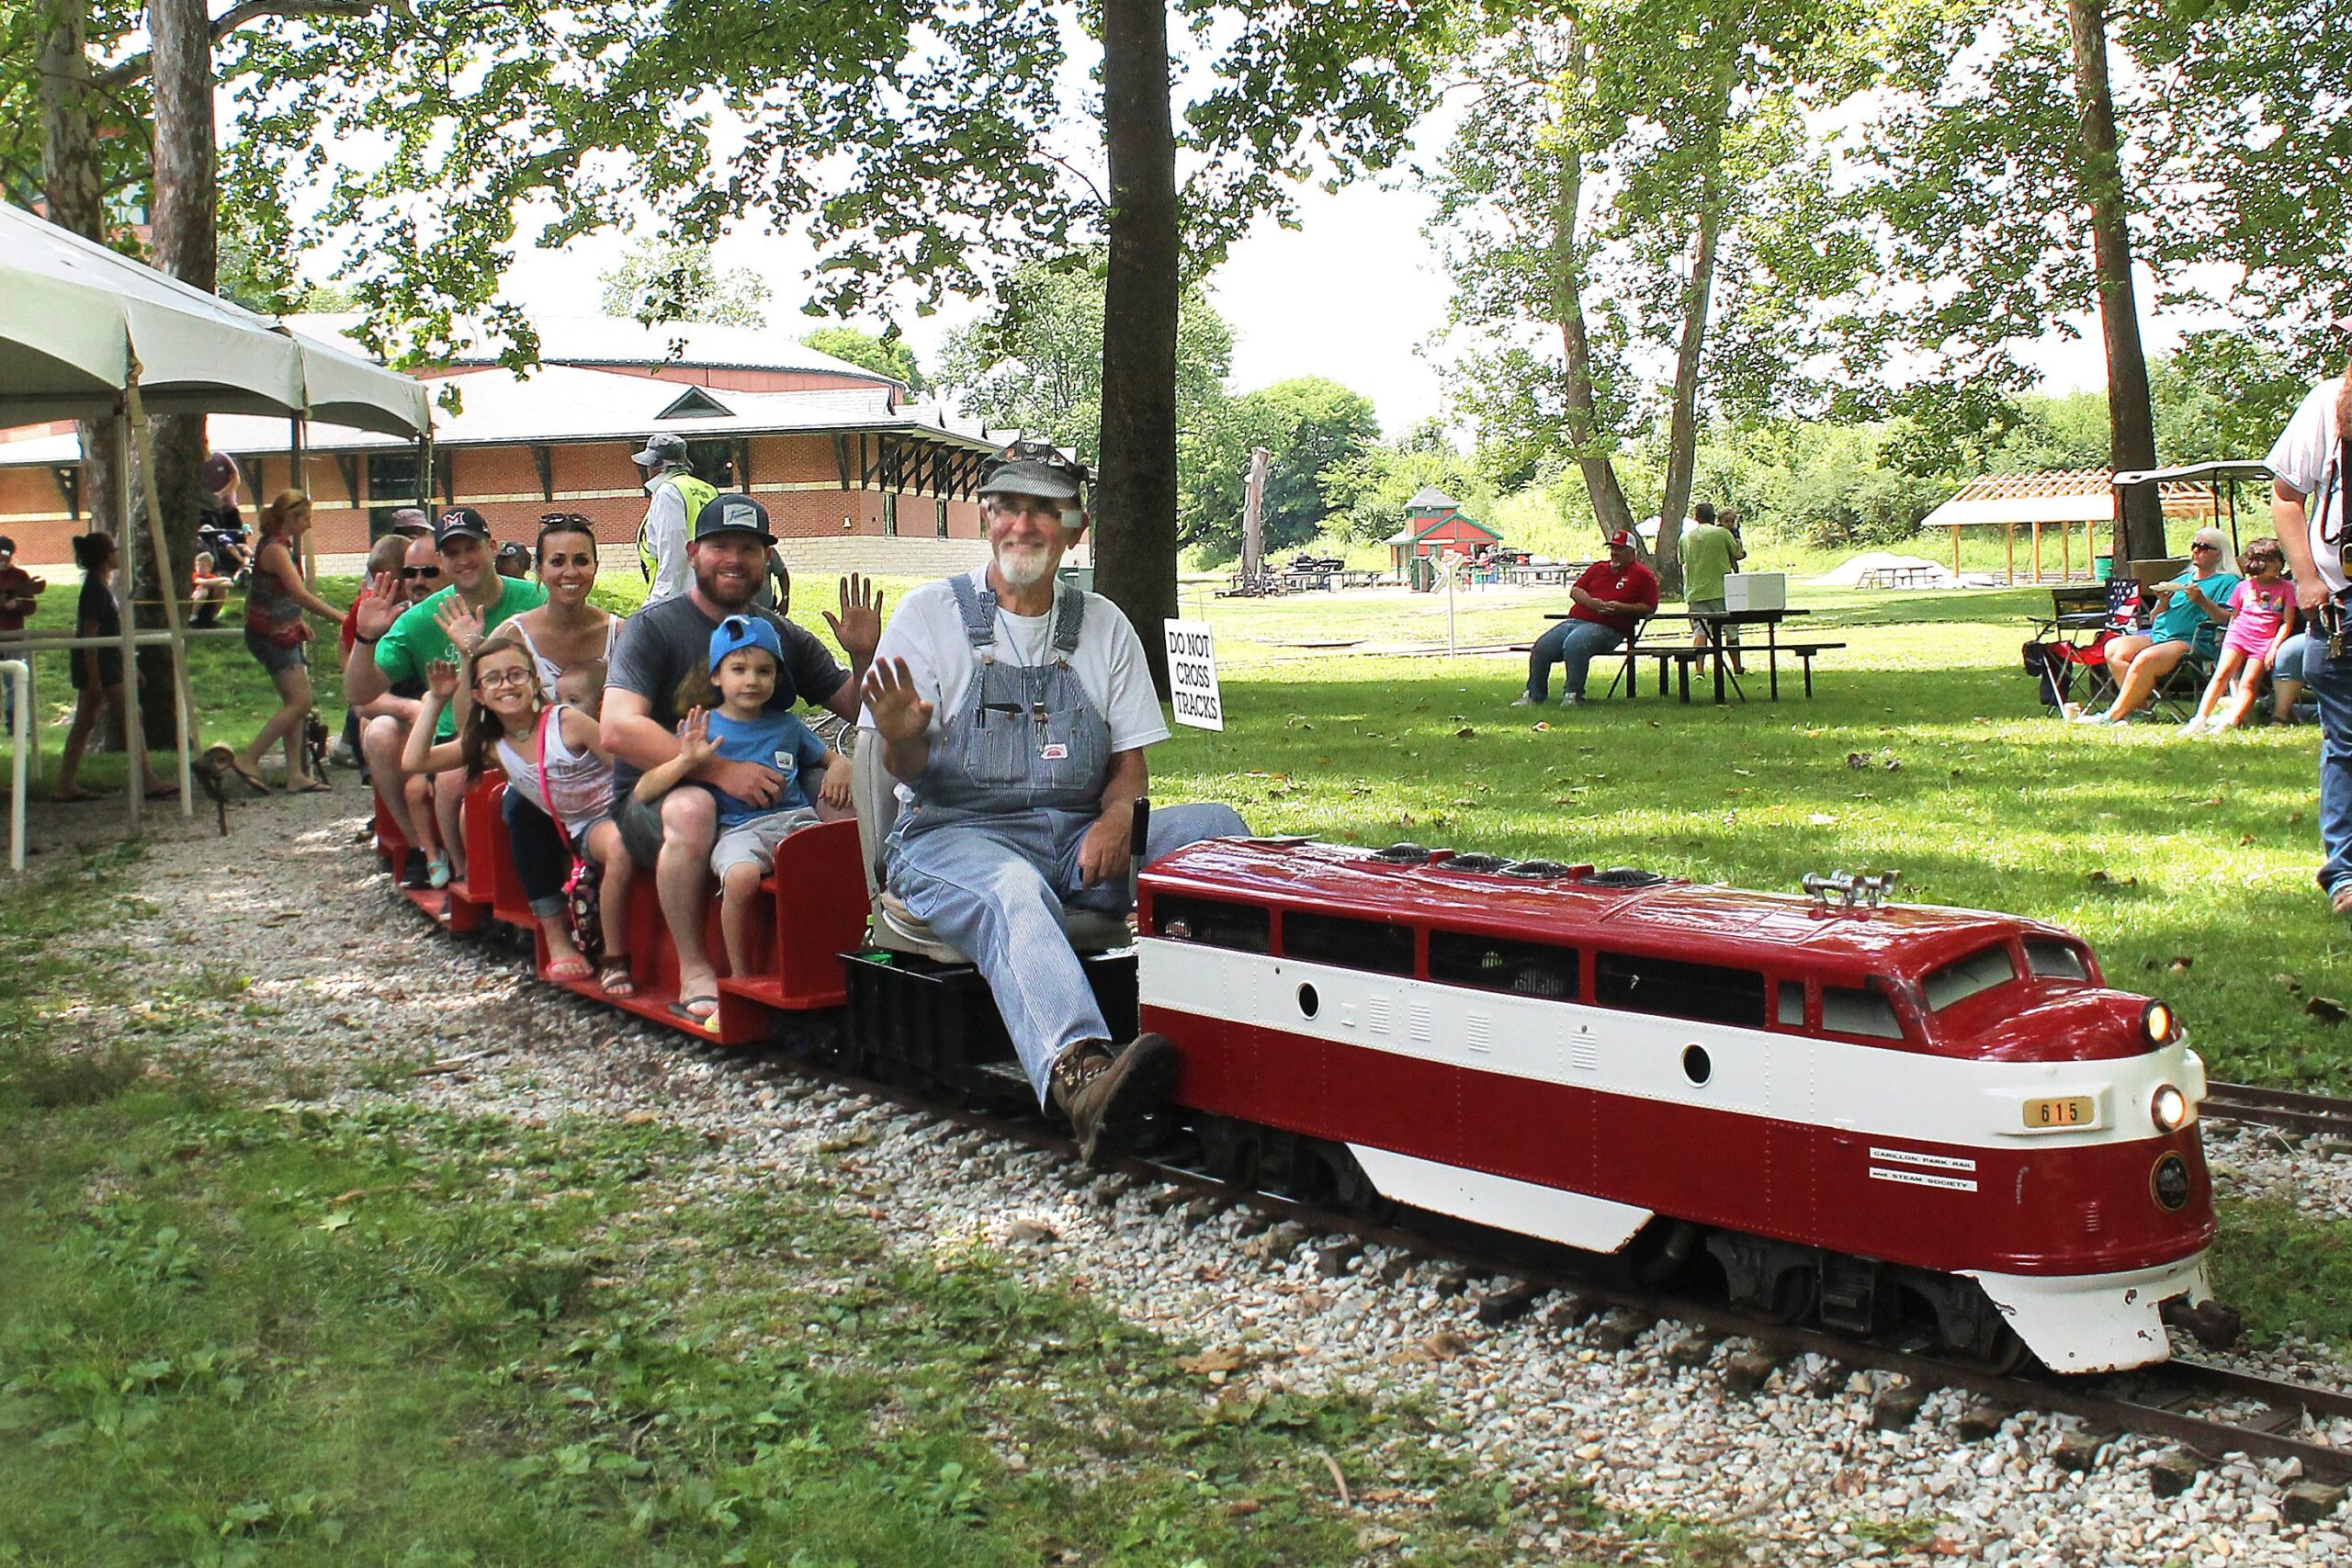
(1105, 1094)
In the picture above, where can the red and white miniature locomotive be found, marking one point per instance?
(1862, 1112)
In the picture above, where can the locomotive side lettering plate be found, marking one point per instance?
(2055, 1112)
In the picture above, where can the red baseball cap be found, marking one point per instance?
(1622, 539)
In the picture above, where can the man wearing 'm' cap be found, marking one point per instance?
(1014, 710)
(658, 649)
(1606, 605)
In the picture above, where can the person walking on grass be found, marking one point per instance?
(2262, 617)
(2307, 508)
(97, 674)
(276, 634)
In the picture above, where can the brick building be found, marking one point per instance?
(851, 473)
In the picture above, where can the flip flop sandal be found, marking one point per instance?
(614, 978)
(313, 788)
(569, 969)
(79, 797)
(685, 1008)
(165, 792)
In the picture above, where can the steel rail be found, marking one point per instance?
(2289, 1109)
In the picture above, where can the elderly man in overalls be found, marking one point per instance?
(1014, 710)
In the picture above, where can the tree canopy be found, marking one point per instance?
(893, 356)
(677, 280)
(1309, 425)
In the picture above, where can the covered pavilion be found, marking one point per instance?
(2065, 500)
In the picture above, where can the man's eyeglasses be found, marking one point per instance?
(411, 573)
(490, 680)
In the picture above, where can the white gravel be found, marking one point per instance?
(1797, 1472)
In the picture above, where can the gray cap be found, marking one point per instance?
(661, 450)
(1032, 467)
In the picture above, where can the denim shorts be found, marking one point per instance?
(274, 658)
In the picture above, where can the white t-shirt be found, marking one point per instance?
(928, 633)
(2304, 461)
(665, 535)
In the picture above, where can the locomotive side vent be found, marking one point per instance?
(1401, 855)
(1475, 861)
(1624, 876)
(1536, 870)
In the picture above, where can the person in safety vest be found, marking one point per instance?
(674, 497)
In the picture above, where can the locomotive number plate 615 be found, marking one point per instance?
(2062, 1110)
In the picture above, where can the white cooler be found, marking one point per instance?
(1756, 590)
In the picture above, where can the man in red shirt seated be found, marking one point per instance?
(1611, 599)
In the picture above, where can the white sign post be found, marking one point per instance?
(1193, 696)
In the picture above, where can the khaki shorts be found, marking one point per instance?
(755, 843)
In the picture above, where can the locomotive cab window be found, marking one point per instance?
(1241, 927)
(1846, 1010)
(1494, 964)
(1671, 987)
(1791, 1004)
(2056, 960)
(1963, 978)
(1349, 944)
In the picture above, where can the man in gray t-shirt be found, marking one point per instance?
(662, 648)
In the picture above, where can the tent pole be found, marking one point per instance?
(183, 694)
(303, 483)
(134, 741)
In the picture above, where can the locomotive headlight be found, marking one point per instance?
(2158, 1021)
(2169, 1108)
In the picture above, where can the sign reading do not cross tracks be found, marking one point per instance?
(1192, 696)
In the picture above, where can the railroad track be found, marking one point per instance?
(2288, 1109)
(2209, 1409)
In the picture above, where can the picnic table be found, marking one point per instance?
(1682, 655)
(1558, 574)
(1921, 576)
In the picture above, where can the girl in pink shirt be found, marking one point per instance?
(2262, 616)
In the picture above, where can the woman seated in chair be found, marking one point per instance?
(2189, 610)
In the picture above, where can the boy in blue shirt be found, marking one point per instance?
(746, 655)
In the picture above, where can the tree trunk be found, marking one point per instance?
(1682, 430)
(2130, 420)
(1600, 486)
(72, 182)
(1134, 552)
(186, 245)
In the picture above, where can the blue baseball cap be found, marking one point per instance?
(744, 631)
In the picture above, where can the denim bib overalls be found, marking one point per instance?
(987, 856)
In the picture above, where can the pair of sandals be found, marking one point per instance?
(612, 977)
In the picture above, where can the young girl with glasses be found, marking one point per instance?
(2262, 617)
(551, 752)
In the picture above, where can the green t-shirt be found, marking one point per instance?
(1709, 552)
(416, 639)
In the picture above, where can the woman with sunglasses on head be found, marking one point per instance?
(566, 636)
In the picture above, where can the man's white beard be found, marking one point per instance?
(1024, 568)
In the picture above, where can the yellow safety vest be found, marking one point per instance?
(695, 493)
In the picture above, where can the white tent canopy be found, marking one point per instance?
(73, 315)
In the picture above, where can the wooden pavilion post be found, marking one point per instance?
(2037, 549)
(2009, 541)
(1955, 554)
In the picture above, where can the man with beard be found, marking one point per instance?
(401, 644)
(664, 646)
(1014, 711)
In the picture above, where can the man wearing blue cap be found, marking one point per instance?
(1014, 711)
(660, 650)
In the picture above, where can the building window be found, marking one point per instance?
(1350, 944)
(1672, 988)
(392, 484)
(714, 464)
(891, 513)
(941, 506)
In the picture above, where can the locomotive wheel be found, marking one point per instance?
(1791, 1297)
(2004, 1355)
(1229, 1149)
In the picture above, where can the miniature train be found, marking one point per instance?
(1866, 1115)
